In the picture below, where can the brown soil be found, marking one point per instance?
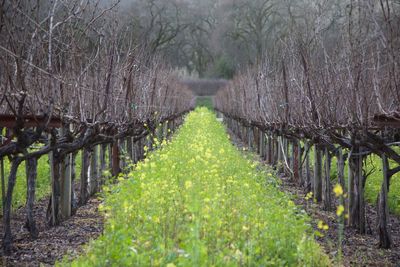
(53, 243)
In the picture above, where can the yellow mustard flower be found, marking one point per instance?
(339, 210)
(338, 190)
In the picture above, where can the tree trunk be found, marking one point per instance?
(7, 239)
(317, 173)
(385, 240)
(31, 174)
(356, 192)
(326, 181)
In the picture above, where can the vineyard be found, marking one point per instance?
(200, 133)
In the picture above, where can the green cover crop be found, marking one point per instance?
(198, 201)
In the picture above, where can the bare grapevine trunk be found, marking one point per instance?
(31, 174)
(385, 239)
(53, 215)
(356, 200)
(326, 181)
(66, 187)
(317, 173)
(7, 239)
(340, 167)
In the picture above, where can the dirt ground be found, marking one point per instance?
(53, 243)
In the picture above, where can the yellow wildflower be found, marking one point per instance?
(322, 225)
(308, 196)
(188, 184)
(338, 190)
(339, 210)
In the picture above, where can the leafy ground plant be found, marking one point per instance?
(197, 201)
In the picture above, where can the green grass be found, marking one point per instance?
(204, 101)
(374, 181)
(198, 201)
(42, 181)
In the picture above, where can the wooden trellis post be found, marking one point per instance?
(308, 181)
(53, 218)
(122, 153)
(292, 159)
(66, 187)
(110, 156)
(115, 158)
(93, 177)
(31, 174)
(326, 180)
(385, 239)
(262, 145)
(84, 176)
(74, 204)
(317, 173)
(103, 163)
(356, 190)
(340, 167)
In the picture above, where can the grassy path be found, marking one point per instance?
(198, 201)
